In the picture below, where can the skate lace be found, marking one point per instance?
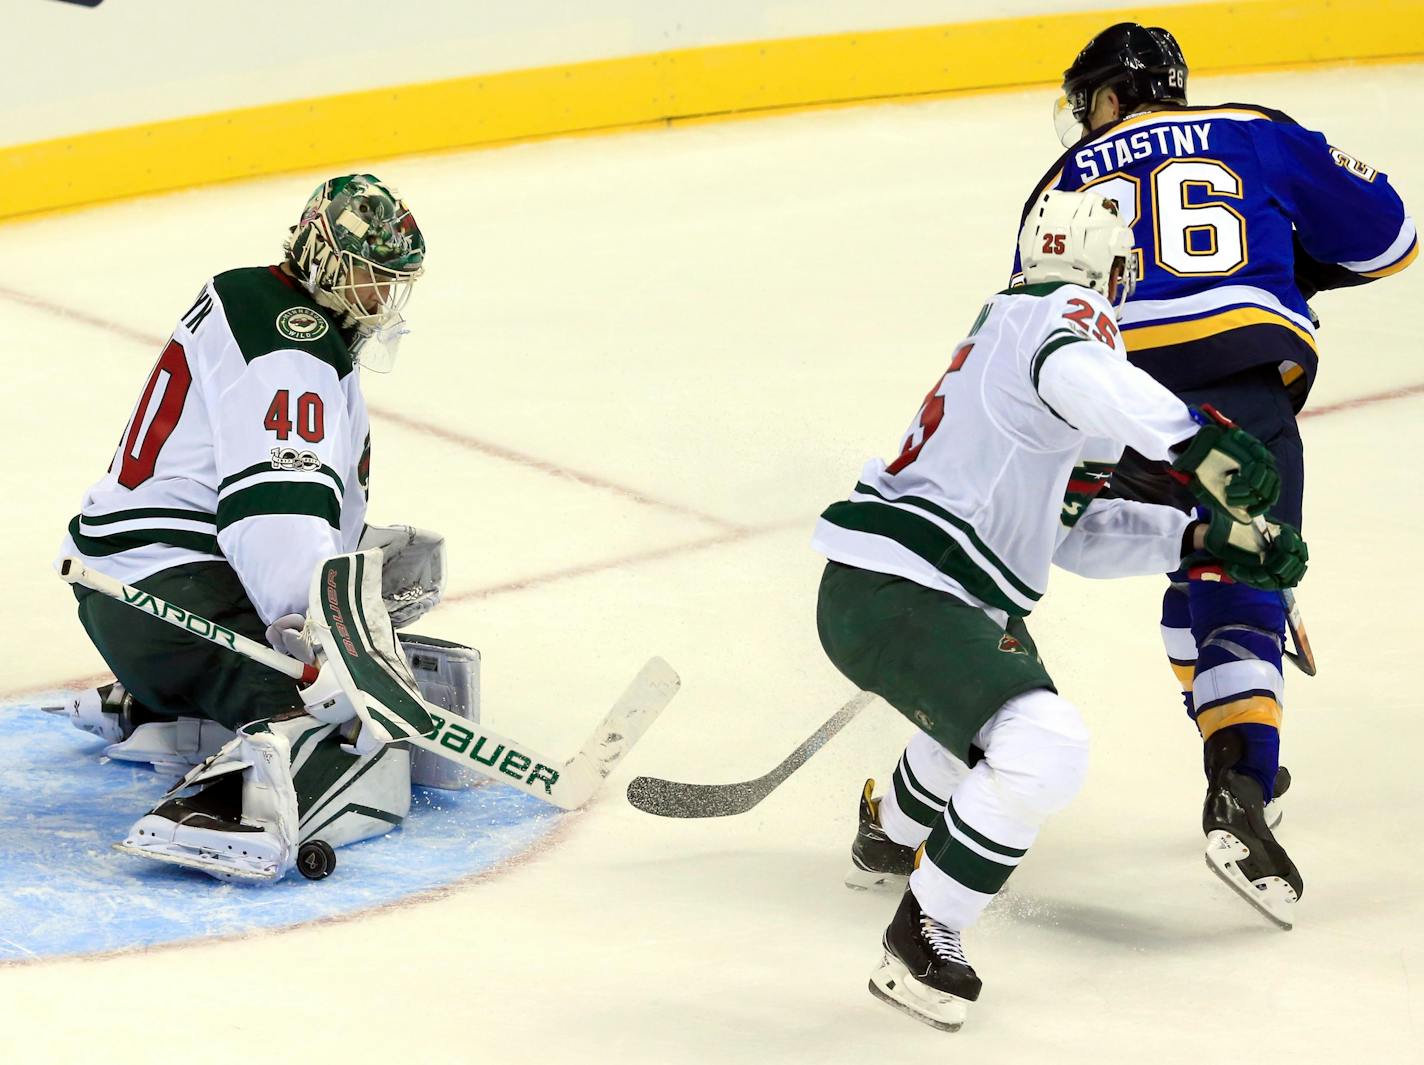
(943, 941)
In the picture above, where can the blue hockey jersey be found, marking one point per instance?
(1234, 209)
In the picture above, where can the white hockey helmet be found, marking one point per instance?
(1078, 237)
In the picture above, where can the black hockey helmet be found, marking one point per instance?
(1142, 64)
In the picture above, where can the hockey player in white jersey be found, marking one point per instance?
(245, 463)
(938, 556)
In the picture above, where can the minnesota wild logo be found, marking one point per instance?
(301, 323)
(1010, 645)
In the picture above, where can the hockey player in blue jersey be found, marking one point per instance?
(1239, 216)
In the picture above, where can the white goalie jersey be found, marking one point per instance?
(249, 444)
(998, 476)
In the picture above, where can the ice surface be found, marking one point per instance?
(641, 365)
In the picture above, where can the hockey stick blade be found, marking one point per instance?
(646, 696)
(671, 798)
(1302, 657)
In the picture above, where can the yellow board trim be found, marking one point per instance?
(1257, 709)
(1159, 336)
(689, 84)
(1400, 265)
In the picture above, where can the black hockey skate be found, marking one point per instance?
(876, 859)
(1239, 845)
(1274, 812)
(924, 971)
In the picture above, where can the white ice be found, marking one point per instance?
(642, 364)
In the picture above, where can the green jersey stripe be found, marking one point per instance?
(961, 864)
(112, 544)
(914, 782)
(1059, 339)
(927, 540)
(911, 805)
(298, 497)
(964, 527)
(206, 517)
(267, 467)
(1042, 288)
(979, 837)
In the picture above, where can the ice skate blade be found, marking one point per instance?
(859, 879)
(1271, 895)
(892, 984)
(188, 860)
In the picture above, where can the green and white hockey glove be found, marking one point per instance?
(1227, 468)
(1273, 558)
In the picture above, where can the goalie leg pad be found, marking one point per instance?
(448, 675)
(345, 798)
(275, 785)
(241, 823)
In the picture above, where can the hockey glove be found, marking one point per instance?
(412, 569)
(289, 635)
(1274, 559)
(1227, 468)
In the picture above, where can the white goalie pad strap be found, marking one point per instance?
(171, 746)
(350, 623)
(449, 678)
(412, 570)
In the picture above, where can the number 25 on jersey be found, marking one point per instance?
(931, 413)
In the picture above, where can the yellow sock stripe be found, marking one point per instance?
(1254, 709)
(1185, 674)
(718, 81)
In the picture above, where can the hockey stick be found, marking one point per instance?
(1303, 658)
(467, 743)
(670, 798)
(72, 571)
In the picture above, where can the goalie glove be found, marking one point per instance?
(1274, 558)
(412, 569)
(1227, 468)
(289, 635)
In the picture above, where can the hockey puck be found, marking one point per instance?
(315, 859)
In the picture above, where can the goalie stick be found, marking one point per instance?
(671, 798)
(456, 739)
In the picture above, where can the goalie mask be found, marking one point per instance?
(1078, 237)
(358, 250)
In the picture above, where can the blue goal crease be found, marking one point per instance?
(64, 890)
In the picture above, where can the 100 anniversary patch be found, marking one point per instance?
(301, 323)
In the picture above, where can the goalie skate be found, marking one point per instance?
(192, 833)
